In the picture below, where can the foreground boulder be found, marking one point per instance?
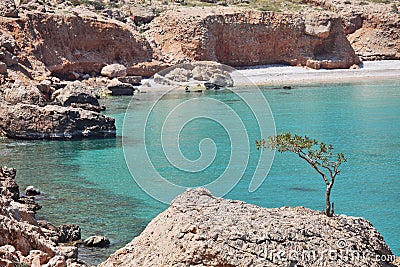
(24, 121)
(200, 229)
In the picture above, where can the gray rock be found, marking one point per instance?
(3, 68)
(133, 80)
(45, 87)
(9, 187)
(222, 80)
(119, 88)
(97, 241)
(70, 252)
(114, 71)
(68, 233)
(77, 95)
(200, 229)
(179, 75)
(10, 59)
(32, 191)
(8, 8)
(24, 121)
(24, 93)
(141, 15)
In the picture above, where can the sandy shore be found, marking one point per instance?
(287, 75)
(280, 75)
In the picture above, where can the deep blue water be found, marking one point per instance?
(88, 182)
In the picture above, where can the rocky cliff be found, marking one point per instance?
(372, 27)
(202, 230)
(245, 38)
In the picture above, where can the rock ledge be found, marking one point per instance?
(200, 229)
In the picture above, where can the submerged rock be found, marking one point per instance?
(200, 229)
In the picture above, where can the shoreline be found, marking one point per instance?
(273, 75)
(282, 75)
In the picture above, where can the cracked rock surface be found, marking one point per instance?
(200, 229)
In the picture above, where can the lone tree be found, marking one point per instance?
(319, 155)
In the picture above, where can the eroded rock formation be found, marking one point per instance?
(202, 230)
(244, 38)
(25, 121)
(372, 27)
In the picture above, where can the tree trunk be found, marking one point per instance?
(328, 210)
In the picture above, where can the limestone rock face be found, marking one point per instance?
(202, 230)
(373, 28)
(243, 38)
(68, 44)
(23, 121)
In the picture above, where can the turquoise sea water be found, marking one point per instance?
(88, 182)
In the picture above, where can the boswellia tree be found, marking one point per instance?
(317, 154)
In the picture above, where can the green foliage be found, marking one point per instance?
(18, 264)
(317, 154)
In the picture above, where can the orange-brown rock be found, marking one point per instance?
(242, 38)
(70, 43)
(372, 27)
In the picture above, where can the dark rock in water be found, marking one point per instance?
(97, 241)
(69, 232)
(118, 88)
(29, 203)
(288, 87)
(22, 121)
(302, 189)
(32, 191)
(212, 86)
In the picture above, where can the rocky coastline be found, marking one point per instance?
(57, 58)
(46, 46)
(26, 240)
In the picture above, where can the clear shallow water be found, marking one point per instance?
(88, 183)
